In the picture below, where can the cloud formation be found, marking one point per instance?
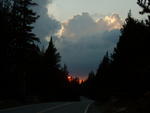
(86, 53)
(45, 25)
(84, 41)
(84, 25)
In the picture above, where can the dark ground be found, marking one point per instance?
(122, 105)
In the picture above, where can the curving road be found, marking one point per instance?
(59, 107)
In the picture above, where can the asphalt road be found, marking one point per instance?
(58, 107)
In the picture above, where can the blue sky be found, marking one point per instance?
(64, 9)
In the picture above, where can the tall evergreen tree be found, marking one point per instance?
(103, 78)
(52, 57)
(130, 58)
(127, 71)
(25, 71)
(22, 19)
(22, 42)
(65, 70)
(103, 67)
(5, 28)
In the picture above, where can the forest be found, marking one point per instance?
(30, 74)
(126, 71)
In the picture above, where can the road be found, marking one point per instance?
(58, 107)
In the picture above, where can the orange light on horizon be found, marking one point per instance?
(81, 81)
(70, 78)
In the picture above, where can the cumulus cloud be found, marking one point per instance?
(45, 25)
(84, 25)
(84, 41)
(111, 22)
(79, 26)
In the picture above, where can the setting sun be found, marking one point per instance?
(70, 78)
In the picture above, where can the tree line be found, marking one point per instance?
(28, 73)
(126, 71)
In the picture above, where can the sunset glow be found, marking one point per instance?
(81, 81)
(113, 22)
(70, 78)
(61, 31)
(75, 56)
(109, 19)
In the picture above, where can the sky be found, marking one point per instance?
(64, 9)
(83, 30)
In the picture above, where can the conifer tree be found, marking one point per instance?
(52, 57)
(130, 57)
(145, 5)
(22, 42)
(65, 70)
(5, 28)
(104, 65)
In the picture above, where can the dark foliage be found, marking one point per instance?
(127, 71)
(28, 74)
(145, 5)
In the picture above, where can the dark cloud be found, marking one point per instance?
(45, 25)
(84, 41)
(85, 54)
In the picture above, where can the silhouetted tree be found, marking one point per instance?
(103, 77)
(5, 28)
(89, 85)
(98, 84)
(26, 72)
(65, 70)
(54, 79)
(126, 72)
(17, 45)
(23, 40)
(75, 88)
(103, 67)
(52, 57)
(22, 19)
(145, 5)
(130, 57)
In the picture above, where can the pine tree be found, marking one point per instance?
(130, 58)
(103, 78)
(52, 79)
(145, 5)
(22, 45)
(22, 19)
(103, 67)
(65, 70)
(127, 71)
(5, 28)
(52, 57)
